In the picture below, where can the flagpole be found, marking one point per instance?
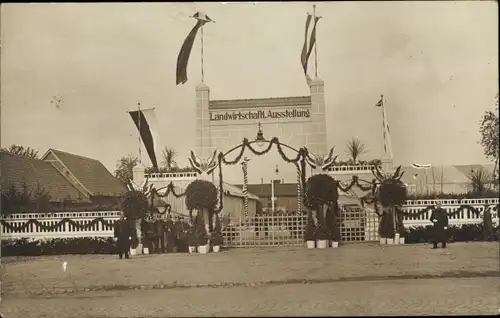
(202, 71)
(315, 45)
(383, 123)
(139, 126)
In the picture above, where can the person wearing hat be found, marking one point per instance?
(170, 233)
(440, 220)
(182, 230)
(122, 236)
(159, 228)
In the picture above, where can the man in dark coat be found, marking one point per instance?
(122, 234)
(159, 226)
(182, 230)
(170, 233)
(487, 224)
(440, 220)
(149, 234)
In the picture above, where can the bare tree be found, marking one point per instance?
(124, 168)
(355, 148)
(479, 180)
(22, 151)
(489, 130)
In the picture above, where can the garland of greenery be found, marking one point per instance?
(168, 207)
(43, 227)
(170, 189)
(355, 182)
(431, 208)
(300, 158)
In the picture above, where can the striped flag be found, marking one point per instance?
(185, 52)
(244, 165)
(299, 191)
(385, 128)
(308, 47)
(147, 125)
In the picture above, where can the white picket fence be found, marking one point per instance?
(277, 224)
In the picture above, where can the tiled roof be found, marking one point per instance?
(91, 173)
(16, 170)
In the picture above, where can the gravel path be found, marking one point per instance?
(441, 296)
(44, 275)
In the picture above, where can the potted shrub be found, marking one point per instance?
(201, 238)
(391, 194)
(216, 241)
(191, 240)
(309, 234)
(322, 235)
(201, 195)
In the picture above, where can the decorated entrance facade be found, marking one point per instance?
(298, 129)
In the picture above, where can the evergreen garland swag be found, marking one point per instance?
(170, 189)
(57, 225)
(300, 157)
(201, 194)
(462, 207)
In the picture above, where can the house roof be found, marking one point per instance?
(450, 174)
(90, 173)
(18, 170)
(238, 192)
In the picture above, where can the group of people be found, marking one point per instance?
(159, 235)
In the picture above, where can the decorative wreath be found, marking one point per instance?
(321, 189)
(201, 194)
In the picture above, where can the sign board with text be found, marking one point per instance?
(263, 115)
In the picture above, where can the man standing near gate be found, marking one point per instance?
(122, 234)
(440, 220)
(159, 226)
(171, 234)
(487, 224)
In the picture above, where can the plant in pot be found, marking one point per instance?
(202, 238)
(216, 239)
(310, 233)
(321, 195)
(201, 195)
(322, 235)
(191, 239)
(391, 193)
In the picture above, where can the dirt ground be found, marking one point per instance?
(245, 267)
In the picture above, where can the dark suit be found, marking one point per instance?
(122, 232)
(438, 231)
(159, 227)
(171, 235)
(181, 231)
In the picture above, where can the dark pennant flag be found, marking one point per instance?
(185, 52)
(147, 133)
(303, 56)
(312, 41)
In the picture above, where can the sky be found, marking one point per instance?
(435, 62)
